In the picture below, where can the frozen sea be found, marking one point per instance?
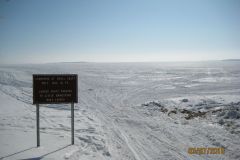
(126, 111)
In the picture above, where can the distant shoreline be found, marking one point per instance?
(231, 60)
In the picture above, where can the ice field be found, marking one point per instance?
(126, 111)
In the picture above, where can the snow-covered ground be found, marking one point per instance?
(126, 111)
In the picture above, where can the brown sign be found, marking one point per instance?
(55, 88)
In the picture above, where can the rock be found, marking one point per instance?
(221, 122)
(221, 114)
(184, 100)
(106, 153)
(192, 115)
(186, 111)
(156, 104)
(164, 110)
(173, 111)
(232, 114)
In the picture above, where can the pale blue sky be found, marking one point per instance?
(38, 31)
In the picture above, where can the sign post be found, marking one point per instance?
(72, 122)
(37, 117)
(55, 89)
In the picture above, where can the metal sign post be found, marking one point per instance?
(37, 117)
(72, 122)
(55, 89)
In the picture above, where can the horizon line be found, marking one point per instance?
(231, 59)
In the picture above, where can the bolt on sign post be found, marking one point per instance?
(55, 89)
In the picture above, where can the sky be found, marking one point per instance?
(40, 31)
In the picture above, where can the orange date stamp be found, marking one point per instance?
(205, 150)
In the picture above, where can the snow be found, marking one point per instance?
(126, 111)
